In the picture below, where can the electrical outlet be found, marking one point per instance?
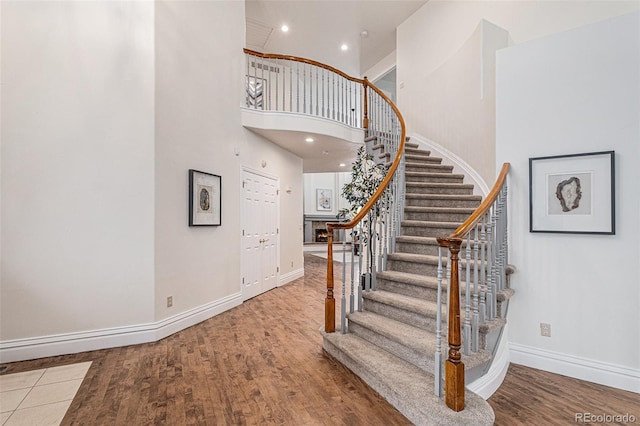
(169, 301)
(545, 329)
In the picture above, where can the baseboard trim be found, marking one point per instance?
(603, 373)
(486, 385)
(69, 343)
(290, 276)
(459, 165)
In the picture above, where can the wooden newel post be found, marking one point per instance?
(365, 120)
(453, 367)
(329, 302)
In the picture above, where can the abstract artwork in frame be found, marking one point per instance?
(205, 199)
(572, 194)
(323, 199)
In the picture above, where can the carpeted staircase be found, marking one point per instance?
(391, 343)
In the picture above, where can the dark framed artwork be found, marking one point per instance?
(572, 194)
(205, 199)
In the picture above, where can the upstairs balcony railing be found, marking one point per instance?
(297, 85)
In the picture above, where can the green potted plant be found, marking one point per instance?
(366, 177)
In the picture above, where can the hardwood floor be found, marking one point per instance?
(262, 363)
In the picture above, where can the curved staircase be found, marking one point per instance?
(391, 343)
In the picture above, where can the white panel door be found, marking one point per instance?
(259, 234)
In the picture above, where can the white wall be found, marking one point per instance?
(332, 181)
(575, 92)
(458, 115)
(200, 65)
(77, 166)
(106, 106)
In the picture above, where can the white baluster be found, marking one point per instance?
(438, 355)
(467, 306)
(475, 319)
(343, 300)
(483, 270)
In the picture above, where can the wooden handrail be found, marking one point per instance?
(462, 230)
(454, 368)
(330, 303)
(303, 60)
(387, 179)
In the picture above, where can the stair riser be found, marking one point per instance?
(408, 317)
(417, 189)
(425, 269)
(441, 202)
(434, 179)
(427, 168)
(413, 151)
(422, 159)
(428, 249)
(407, 289)
(420, 360)
(426, 231)
(436, 217)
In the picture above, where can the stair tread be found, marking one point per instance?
(411, 145)
(416, 239)
(412, 337)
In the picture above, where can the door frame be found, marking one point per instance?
(275, 178)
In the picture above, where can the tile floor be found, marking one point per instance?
(39, 397)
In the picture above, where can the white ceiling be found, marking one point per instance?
(317, 28)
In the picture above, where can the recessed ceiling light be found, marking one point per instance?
(309, 140)
(344, 47)
(342, 164)
(325, 152)
(364, 34)
(284, 28)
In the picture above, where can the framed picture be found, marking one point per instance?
(205, 199)
(323, 199)
(572, 194)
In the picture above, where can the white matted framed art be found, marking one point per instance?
(323, 199)
(205, 199)
(572, 194)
